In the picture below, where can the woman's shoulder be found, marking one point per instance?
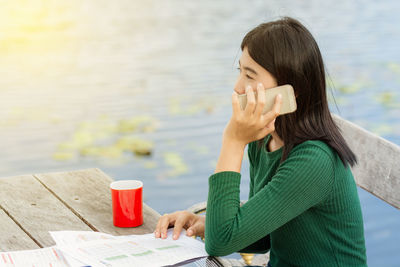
(318, 144)
(318, 148)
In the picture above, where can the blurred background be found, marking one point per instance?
(141, 89)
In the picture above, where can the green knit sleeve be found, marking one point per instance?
(264, 244)
(303, 180)
(251, 154)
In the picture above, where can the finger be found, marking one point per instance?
(157, 232)
(235, 103)
(260, 100)
(277, 105)
(251, 101)
(165, 222)
(194, 229)
(180, 222)
(191, 230)
(275, 111)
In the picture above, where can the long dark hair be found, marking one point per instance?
(287, 50)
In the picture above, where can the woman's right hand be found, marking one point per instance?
(194, 224)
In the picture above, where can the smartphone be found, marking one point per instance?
(288, 99)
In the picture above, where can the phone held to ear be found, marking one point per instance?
(288, 99)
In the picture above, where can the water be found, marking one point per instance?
(71, 71)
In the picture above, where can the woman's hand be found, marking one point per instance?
(250, 124)
(194, 224)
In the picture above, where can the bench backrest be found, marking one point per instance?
(378, 168)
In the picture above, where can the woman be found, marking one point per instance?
(303, 204)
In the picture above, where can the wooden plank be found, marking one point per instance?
(378, 168)
(35, 209)
(198, 208)
(87, 193)
(12, 237)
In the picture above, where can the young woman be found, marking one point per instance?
(303, 204)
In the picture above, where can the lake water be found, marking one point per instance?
(85, 83)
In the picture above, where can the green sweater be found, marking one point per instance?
(306, 211)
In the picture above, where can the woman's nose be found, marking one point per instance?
(240, 88)
(239, 92)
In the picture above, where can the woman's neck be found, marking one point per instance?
(275, 142)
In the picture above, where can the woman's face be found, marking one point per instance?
(252, 74)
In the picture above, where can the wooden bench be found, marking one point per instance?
(378, 168)
(377, 171)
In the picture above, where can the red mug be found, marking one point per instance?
(127, 203)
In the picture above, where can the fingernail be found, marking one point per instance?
(259, 85)
(190, 232)
(175, 236)
(279, 96)
(248, 88)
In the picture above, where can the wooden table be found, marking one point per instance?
(33, 205)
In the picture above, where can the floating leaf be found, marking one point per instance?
(352, 88)
(175, 161)
(388, 99)
(138, 124)
(90, 134)
(83, 138)
(90, 151)
(394, 67)
(136, 145)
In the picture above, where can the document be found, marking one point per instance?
(86, 248)
(50, 256)
(100, 250)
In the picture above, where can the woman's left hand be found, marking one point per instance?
(250, 124)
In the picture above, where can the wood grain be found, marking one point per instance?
(378, 168)
(12, 237)
(87, 194)
(35, 209)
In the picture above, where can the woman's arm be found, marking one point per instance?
(231, 156)
(302, 181)
(264, 244)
